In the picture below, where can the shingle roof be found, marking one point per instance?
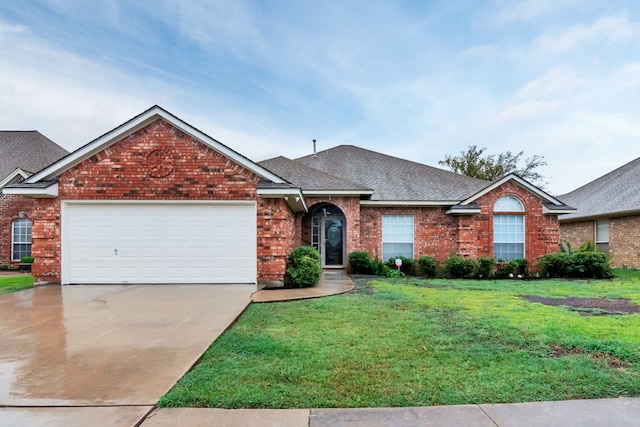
(28, 150)
(612, 194)
(392, 178)
(308, 178)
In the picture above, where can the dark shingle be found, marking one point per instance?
(28, 150)
(611, 194)
(392, 178)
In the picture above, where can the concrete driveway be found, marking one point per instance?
(105, 346)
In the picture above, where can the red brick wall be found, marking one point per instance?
(10, 208)
(624, 238)
(276, 237)
(130, 170)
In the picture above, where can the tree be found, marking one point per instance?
(473, 162)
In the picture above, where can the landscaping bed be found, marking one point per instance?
(424, 342)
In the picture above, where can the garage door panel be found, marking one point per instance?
(159, 243)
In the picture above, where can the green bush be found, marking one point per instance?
(428, 266)
(379, 268)
(360, 262)
(576, 264)
(485, 268)
(458, 267)
(408, 266)
(303, 268)
(395, 274)
(26, 260)
(4, 267)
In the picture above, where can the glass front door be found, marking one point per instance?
(333, 242)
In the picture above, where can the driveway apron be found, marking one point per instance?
(107, 345)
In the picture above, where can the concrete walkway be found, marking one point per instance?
(332, 282)
(624, 412)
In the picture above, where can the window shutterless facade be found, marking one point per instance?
(397, 236)
(602, 235)
(20, 239)
(508, 229)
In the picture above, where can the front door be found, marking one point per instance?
(332, 242)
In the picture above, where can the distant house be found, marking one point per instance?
(21, 154)
(608, 214)
(155, 200)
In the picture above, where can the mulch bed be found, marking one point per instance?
(603, 306)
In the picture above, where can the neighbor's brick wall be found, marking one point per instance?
(10, 208)
(123, 172)
(624, 238)
(434, 231)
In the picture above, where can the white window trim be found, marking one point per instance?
(13, 238)
(595, 231)
(413, 236)
(524, 232)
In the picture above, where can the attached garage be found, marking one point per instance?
(158, 242)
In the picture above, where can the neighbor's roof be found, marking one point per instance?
(309, 179)
(392, 178)
(613, 194)
(28, 150)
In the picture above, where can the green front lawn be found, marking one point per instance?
(418, 343)
(15, 283)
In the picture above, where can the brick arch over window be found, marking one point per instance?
(508, 229)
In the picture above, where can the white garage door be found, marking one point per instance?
(159, 243)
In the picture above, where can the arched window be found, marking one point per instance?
(508, 229)
(20, 239)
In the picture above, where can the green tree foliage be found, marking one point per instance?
(475, 163)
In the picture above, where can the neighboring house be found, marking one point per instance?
(21, 154)
(157, 201)
(608, 215)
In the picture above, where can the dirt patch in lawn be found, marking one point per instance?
(609, 359)
(591, 306)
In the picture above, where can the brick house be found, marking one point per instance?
(21, 154)
(608, 215)
(157, 201)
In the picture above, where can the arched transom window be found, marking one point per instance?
(508, 229)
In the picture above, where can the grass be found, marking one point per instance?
(15, 283)
(417, 343)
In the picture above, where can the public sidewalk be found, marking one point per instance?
(623, 412)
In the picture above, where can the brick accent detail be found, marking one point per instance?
(624, 238)
(10, 208)
(159, 162)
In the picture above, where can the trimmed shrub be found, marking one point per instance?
(485, 268)
(4, 267)
(26, 260)
(593, 265)
(428, 266)
(303, 268)
(360, 262)
(458, 267)
(408, 266)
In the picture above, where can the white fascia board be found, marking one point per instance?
(12, 175)
(49, 192)
(455, 211)
(136, 124)
(547, 211)
(293, 197)
(337, 192)
(525, 184)
(443, 203)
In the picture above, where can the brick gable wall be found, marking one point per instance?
(159, 162)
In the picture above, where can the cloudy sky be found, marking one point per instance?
(415, 79)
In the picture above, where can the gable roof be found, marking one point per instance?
(154, 113)
(312, 180)
(615, 193)
(392, 178)
(26, 151)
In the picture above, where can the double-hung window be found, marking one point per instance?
(20, 239)
(602, 235)
(508, 229)
(397, 236)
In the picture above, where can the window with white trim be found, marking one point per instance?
(602, 235)
(508, 229)
(20, 239)
(397, 236)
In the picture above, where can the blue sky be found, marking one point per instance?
(415, 79)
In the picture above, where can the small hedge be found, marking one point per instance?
(458, 267)
(593, 265)
(303, 268)
(428, 266)
(408, 266)
(360, 263)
